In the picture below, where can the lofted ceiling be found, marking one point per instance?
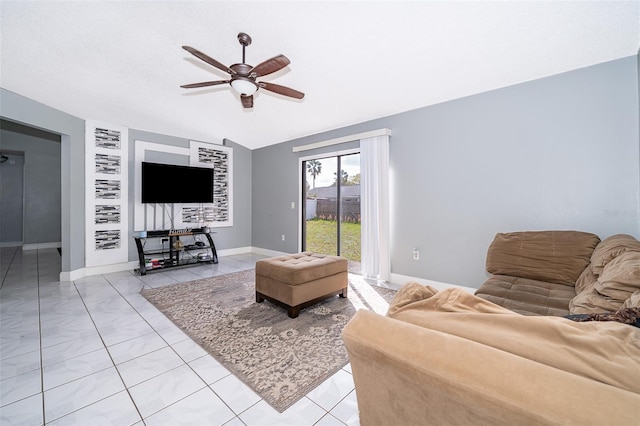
(121, 61)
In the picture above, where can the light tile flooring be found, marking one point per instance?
(94, 351)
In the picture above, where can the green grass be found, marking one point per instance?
(321, 238)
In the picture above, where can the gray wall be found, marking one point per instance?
(42, 175)
(276, 180)
(26, 111)
(239, 235)
(11, 199)
(556, 153)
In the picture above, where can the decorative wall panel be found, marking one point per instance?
(107, 214)
(109, 164)
(107, 138)
(220, 158)
(179, 215)
(198, 214)
(107, 240)
(107, 198)
(107, 189)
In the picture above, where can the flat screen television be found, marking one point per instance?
(167, 183)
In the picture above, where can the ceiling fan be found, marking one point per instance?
(243, 76)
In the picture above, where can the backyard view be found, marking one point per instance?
(321, 238)
(332, 207)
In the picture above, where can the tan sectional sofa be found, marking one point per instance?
(452, 358)
(562, 272)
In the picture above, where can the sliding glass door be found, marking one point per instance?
(331, 207)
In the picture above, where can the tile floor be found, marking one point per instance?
(93, 352)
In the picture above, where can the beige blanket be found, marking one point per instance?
(608, 352)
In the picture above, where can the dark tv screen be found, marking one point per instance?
(166, 183)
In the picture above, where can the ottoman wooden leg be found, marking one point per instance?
(259, 297)
(293, 311)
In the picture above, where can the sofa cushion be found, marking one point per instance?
(633, 301)
(588, 300)
(608, 352)
(586, 280)
(610, 248)
(526, 296)
(620, 278)
(553, 256)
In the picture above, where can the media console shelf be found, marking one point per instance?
(176, 253)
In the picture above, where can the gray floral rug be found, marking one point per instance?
(280, 358)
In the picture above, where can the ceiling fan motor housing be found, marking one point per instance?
(242, 82)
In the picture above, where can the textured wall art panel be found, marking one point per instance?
(220, 159)
(107, 240)
(108, 189)
(108, 164)
(107, 138)
(198, 215)
(106, 168)
(107, 214)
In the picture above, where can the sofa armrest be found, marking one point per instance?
(406, 375)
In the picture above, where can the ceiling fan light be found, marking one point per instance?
(244, 87)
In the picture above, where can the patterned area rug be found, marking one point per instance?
(280, 358)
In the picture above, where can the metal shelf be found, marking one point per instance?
(174, 260)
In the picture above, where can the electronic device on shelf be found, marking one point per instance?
(175, 232)
(183, 231)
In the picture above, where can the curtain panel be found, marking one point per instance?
(374, 180)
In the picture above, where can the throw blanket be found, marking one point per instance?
(629, 316)
(608, 352)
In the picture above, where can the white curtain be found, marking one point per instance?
(374, 180)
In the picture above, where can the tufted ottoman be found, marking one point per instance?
(299, 280)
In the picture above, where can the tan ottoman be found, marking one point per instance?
(299, 280)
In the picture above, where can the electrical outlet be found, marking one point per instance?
(416, 254)
(293, 205)
(282, 237)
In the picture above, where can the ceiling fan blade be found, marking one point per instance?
(282, 90)
(204, 84)
(247, 101)
(270, 65)
(208, 59)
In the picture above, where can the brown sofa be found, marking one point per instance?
(562, 272)
(452, 358)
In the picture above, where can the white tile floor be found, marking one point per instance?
(93, 352)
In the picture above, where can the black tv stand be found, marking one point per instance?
(176, 253)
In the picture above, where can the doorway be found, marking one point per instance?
(11, 198)
(33, 195)
(331, 218)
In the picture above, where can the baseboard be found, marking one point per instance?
(267, 252)
(36, 246)
(234, 251)
(10, 244)
(400, 280)
(76, 274)
(98, 270)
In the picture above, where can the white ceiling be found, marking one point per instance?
(122, 62)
